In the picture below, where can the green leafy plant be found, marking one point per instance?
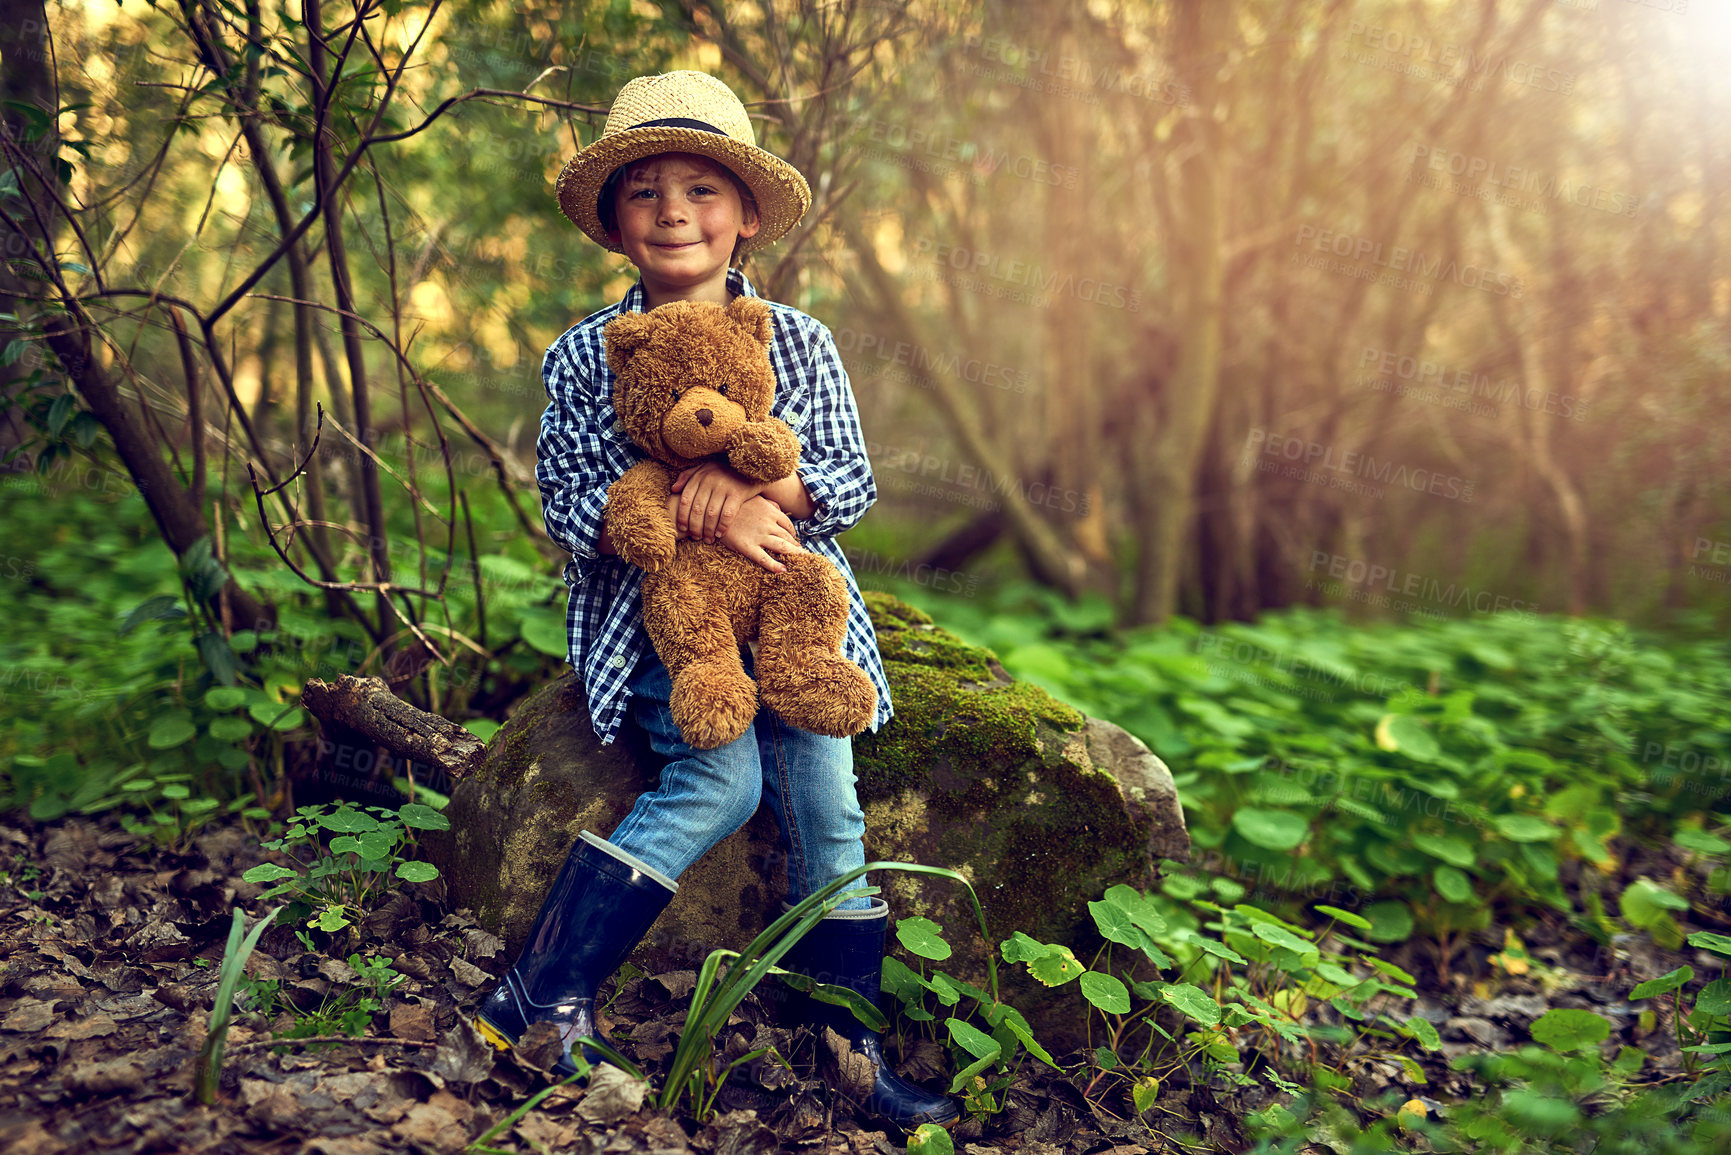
(335, 883)
(1244, 988)
(1438, 770)
(982, 1032)
(347, 1010)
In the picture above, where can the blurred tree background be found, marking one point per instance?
(1199, 308)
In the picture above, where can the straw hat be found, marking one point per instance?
(683, 112)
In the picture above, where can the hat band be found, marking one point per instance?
(680, 122)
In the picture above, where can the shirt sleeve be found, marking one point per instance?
(833, 461)
(577, 456)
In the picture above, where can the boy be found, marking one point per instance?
(677, 184)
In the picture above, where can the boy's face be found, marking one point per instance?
(679, 217)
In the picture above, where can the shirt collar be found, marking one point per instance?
(737, 286)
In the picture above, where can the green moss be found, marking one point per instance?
(953, 702)
(508, 752)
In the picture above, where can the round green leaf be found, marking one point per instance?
(1390, 921)
(268, 872)
(923, 937)
(1524, 828)
(544, 630)
(376, 844)
(1336, 974)
(1140, 907)
(331, 918)
(345, 844)
(1452, 850)
(348, 820)
(931, 1139)
(417, 871)
(1424, 1031)
(1115, 924)
(1020, 948)
(176, 790)
(1192, 1000)
(1270, 829)
(1715, 997)
(1218, 949)
(1346, 916)
(1452, 884)
(1057, 966)
(224, 697)
(422, 817)
(230, 729)
(170, 731)
(1644, 902)
(1105, 992)
(1535, 1111)
(1568, 1029)
(1280, 936)
(1405, 734)
(482, 728)
(1700, 840)
(1664, 984)
(972, 1040)
(1709, 940)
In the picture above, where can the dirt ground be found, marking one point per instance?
(108, 967)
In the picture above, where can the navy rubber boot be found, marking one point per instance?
(601, 904)
(846, 949)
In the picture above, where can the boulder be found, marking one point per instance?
(1039, 806)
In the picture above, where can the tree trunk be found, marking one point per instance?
(1168, 485)
(179, 519)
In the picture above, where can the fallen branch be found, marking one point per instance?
(367, 706)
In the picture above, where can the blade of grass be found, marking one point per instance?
(709, 1011)
(478, 1146)
(234, 956)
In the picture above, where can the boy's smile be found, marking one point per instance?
(679, 216)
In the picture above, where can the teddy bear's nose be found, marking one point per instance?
(704, 417)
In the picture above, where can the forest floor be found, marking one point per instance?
(109, 953)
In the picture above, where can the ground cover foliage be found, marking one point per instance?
(1436, 865)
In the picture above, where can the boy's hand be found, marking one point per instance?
(759, 530)
(710, 497)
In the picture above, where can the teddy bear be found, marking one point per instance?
(693, 382)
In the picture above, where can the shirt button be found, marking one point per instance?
(619, 662)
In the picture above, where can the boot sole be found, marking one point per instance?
(492, 1034)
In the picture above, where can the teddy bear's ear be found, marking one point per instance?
(751, 316)
(626, 335)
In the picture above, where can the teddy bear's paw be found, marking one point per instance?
(762, 450)
(823, 694)
(650, 553)
(713, 703)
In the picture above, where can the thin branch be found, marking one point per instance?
(194, 405)
(270, 534)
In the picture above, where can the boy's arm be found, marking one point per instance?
(577, 457)
(834, 470)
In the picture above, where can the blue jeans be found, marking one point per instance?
(705, 795)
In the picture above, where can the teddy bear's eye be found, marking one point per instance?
(721, 389)
(676, 393)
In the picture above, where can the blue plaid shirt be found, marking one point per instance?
(584, 449)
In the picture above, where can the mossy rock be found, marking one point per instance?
(1039, 806)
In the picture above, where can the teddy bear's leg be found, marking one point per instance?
(713, 699)
(800, 668)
